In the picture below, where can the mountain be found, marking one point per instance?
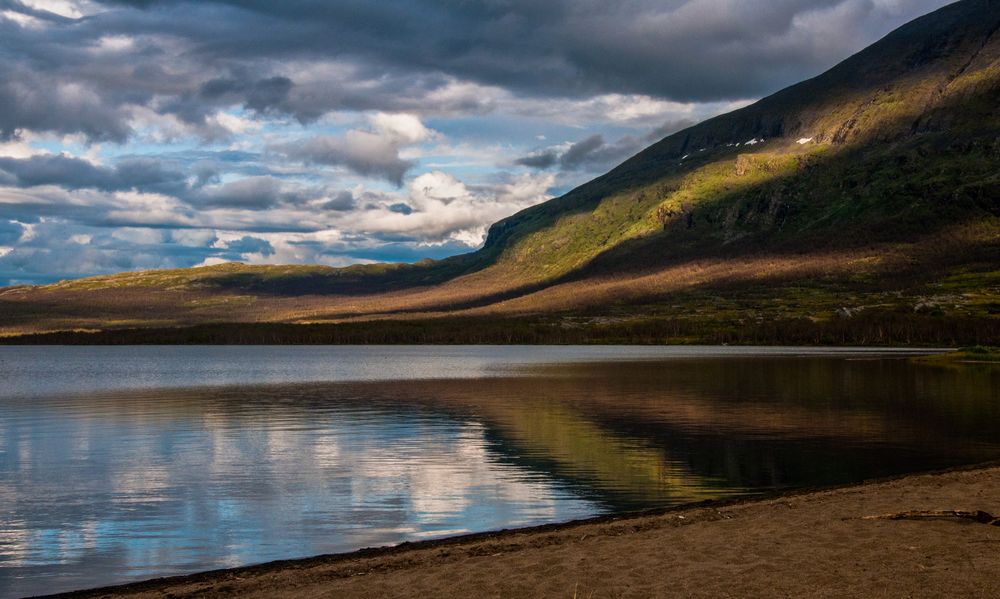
(860, 206)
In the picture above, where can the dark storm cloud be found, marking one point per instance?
(39, 102)
(71, 173)
(684, 49)
(142, 174)
(206, 173)
(151, 175)
(363, 153)
(252, 193)
(590, 154)
(341, 201)
(189, 58)
(104, 212)
(261, 95)
(255, 193)
(251, 245)
(581, 152)
(541, 160)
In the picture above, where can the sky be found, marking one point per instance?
(142, 134)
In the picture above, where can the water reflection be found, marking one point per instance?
(115, 485)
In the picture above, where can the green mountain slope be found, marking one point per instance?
(926, 96)
(869, 191)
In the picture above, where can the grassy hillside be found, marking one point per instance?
(868, 194)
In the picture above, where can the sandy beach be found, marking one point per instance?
(811, 544)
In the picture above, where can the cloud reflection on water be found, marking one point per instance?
(147, 485)
(104, 486)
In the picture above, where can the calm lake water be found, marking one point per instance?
(119, 464)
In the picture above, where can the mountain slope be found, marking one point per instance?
(873, 188)
(937, 75)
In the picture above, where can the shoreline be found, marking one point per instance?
(405, 565)
(868, 328)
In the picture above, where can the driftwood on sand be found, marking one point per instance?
(975, 515)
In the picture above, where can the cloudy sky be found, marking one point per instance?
(139, 134)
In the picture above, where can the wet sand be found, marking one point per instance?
(813, 544)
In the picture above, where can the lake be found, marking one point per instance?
(124, 463)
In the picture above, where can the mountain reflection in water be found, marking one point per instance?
(108, 486)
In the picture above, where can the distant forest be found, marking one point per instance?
(870, 328)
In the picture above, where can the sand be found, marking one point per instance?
(801, 545)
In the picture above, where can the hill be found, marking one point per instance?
(861, 206)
